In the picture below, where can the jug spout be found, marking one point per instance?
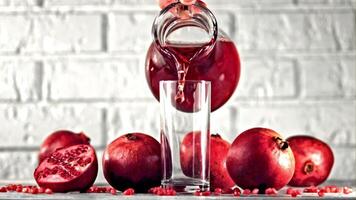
(180, 26)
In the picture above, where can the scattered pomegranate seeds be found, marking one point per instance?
(172, 192)
(347, 190)
(11, 187)
(255, 191)
(129, 191)
(271, 191)
(97, 189)
(289, 190)
(311, 189)
(48, 191)
(25, 190)
(154, 190)
(321, 193)
(218, 191)
(113, 191)
(236, 192)
(246, 192)
(327, 189)
(41, 190)
(3, 189)
(198, 193)
(293, 192)
(160, 191)
(34, 190)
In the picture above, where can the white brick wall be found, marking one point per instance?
(79, 64)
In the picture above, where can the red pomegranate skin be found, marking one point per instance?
(260, 158)
(190, 150)
(60, 139)
(68, 169)
(314, 160)
(219, 177)
(133, 161)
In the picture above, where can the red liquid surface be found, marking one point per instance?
(221, 66)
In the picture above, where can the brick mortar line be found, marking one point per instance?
(137, 9)
(147, 100)
(118, 55)
(245, 102)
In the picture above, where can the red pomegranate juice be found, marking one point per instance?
(221, 66)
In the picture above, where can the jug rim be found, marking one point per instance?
(172, 5)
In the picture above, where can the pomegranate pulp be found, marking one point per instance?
(221, 66)
(68, 169)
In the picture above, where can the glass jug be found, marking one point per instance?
(187, 45)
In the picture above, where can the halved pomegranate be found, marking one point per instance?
(72, 168)
(60, 139)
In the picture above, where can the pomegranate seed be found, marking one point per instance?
(311, 189)
(294, 194)
(198, 193)
(129, 191)
(271, 191)
(90, 190)
(246, 192)
(236, 192)
(321, 193)
(3, 189)
(289, 190)
(48, 191)
(217, 191)
(41, 190)
(255, 191)
(172, 192)
(206, 193)
(25, 190)
(160, 192)
(34, 191)
(108, 189)
(347, 190)
(113, 191)
(11, 187)
(327, 189)
(153, 190)
(334, 189)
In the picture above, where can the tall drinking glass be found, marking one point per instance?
(185, 124)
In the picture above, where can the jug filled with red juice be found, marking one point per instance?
(188, 45)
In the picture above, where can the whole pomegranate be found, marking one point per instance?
(313, 160)
(60, 139)
(68, 169)
(219, 177)
(260, 158)
(133, 161)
